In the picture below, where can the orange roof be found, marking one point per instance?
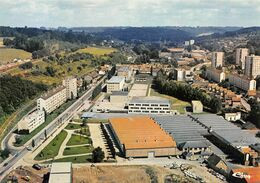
(141, 133)
(252, 172)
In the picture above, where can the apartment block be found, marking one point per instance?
(149, 105)
(241, 54)
(32, 121)
(71, 87)
(182, 74)
(125, 71)
(52, 99)
(215, 75)
(252, 68)
(217, 59)
(242, 82)
(116, 83)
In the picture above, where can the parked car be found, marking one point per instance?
(37, 167)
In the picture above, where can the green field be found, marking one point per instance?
(77, 150)
(52, 149)
(97, 51)
(78, 140)
(176, 104)
(83, 131)
(72, 126)
(76, 159)
(9, 54)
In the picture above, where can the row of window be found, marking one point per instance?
(153, 105)
(154, 112)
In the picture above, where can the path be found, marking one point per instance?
(63, 145)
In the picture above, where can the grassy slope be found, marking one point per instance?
(175, 103)
(52, 149)
(76, 159)
(72, 126)
(8, 54)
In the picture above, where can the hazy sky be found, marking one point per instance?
(54, 13)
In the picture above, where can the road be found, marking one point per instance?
(40, 137)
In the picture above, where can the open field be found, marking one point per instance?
(176, 104)
(77, 150)
(1, 42)
(97, 51)
(9, 54)
(52, 149)
(78, 140)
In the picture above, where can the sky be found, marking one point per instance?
(91, 13)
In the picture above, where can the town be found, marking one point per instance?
(130, 104)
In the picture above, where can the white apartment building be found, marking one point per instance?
(217, 59)
(149, 105)
(252, 68)
(215, 75)
(242, 82)
(116, 83)
(52, 99)
(181, 74)
(71, 87)
(241, 54)
(32, 121)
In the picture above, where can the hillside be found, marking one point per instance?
(9, 54)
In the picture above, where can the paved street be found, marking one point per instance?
(40, 137)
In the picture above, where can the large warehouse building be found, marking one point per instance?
(142, 137)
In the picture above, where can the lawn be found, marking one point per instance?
(97, 51)
(78, 140)
(176, 104)
(49, 119)
(72, 126)
(9, 54)
(76, 159)
(95, 120)
(83, 131)
(52, 149)
(77, 150)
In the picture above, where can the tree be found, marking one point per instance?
(33, 143)
(18, 140)
(98, 155)
(4, 153)
(45, 134)
(84, 122)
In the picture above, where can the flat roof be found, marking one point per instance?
(121, 93)
(62, 167)
(150, 99)
(141, 133)
(196, 102)
(252, 173)
(64, 178)
(116, 79)
(52, 92)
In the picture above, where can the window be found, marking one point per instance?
(145, 104)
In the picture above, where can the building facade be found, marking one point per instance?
(197, 106)
(242, 82)
(217, 59)
(215, 75)
(181, 74)
(116, 83)
(241, 54)
(149, 105)
(252, 67)
(125, 71)
(52, 100)
(71, 87)
(32, 121)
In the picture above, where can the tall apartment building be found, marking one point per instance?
(149, 105)
(252, 68)
(71, 87)
(31, 121)
(215, 75)
(217, 59)
(242, 82)
(52, 99)
(241, 54)
(116, 83)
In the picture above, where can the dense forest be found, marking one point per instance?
(14, 91)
